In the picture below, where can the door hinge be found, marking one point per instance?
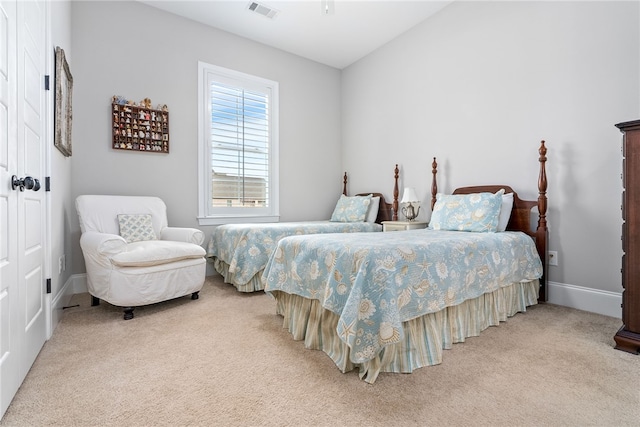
(46, 82)
(49, 285)
(47, 183)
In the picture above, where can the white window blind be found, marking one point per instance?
(238, 147)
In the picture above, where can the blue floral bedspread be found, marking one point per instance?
(247, 247)
(374, 282)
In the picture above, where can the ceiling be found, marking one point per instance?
(353, 29)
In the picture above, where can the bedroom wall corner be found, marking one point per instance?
(62, 209)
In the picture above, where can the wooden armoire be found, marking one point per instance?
(628, 337)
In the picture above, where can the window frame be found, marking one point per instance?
(208, 215)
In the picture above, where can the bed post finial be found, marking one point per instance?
(542, 187)
(434, 183)
(344, 184)
(395, 194)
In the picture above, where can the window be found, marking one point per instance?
(238, 147)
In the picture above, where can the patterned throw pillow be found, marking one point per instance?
(467, 212)
(136, 228)
(351, 209)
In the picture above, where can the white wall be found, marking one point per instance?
(130, 49)
(479, 85)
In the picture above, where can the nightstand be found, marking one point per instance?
(403, 225)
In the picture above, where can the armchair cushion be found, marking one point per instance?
(136, 228)
(156, 252)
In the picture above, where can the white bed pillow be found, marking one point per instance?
(505, 211)
(372, 213)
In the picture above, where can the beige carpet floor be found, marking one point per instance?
(224, 360)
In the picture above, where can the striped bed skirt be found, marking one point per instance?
(253, 285)
(425, 337)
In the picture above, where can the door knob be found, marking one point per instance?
(27, 182)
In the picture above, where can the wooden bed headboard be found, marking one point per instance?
(386, 211)
(520, 219)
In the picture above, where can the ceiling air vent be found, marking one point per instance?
(263, 10)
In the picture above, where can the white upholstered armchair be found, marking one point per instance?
(133, 257)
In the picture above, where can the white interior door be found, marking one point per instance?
(31, 202)
(22, 206)
(9, 342)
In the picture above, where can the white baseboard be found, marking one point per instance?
(80, 283)
(210, 268)
(58, 303)
(587, 299)
(75, 284)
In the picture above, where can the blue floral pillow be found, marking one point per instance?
(467, 212)
(351, 209)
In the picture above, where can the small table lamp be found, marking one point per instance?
(409, 196)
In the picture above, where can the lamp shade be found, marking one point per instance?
(409, 195)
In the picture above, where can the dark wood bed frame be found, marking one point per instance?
(521, 212)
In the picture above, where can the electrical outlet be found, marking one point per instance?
(553, 258)
(59, 265)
